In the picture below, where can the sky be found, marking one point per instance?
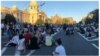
(75, 9)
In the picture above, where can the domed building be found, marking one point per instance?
(14, 7)
(34, 12)
(27, 15)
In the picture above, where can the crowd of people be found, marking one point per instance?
(31, 37)
(89, 30)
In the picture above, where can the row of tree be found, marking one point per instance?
(56, 20)
(92, 17)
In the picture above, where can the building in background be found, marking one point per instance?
(33, 15)
(27, 15)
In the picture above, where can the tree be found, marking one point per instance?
(48, 20)
(83, 21)
(39, 21)
(65, 20)
(9, 18)
(95, 17)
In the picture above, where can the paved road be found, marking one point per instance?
(74, 44)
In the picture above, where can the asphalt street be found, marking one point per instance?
(74, 44)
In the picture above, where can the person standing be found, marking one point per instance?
(60, 50)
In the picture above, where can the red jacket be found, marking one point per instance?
(27, 37)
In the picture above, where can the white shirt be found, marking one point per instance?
(21, 45)
(15, 39)
(43, 33)
(2, 25)
(61, 50)
(48, 41)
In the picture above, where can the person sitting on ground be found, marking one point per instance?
(21, 43)
(60, 50)
(14, 40)
(34, 42)
(43, 35)
(96, 31)
(48, 39)
(88, 34)
(27, 37)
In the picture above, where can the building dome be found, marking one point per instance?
(34, 3)
(14, 7)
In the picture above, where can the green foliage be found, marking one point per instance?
(65, 20)
(95, 17)
(48, 20)
(9, 18)
(83, 21)
(39, 22)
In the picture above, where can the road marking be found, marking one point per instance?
(91, 37)
(88, 39)
(95, 45)
(83, 36)
(94, 39)
(17, 53)
(4, 49)
(32, 51)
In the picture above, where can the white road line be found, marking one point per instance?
(17, 53)
(3, 50)
(88, 39)
(83, 36)
(91, 37)
(95, 45)
(32, 51)
(94, 39)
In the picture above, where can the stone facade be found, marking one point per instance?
(25, 16)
